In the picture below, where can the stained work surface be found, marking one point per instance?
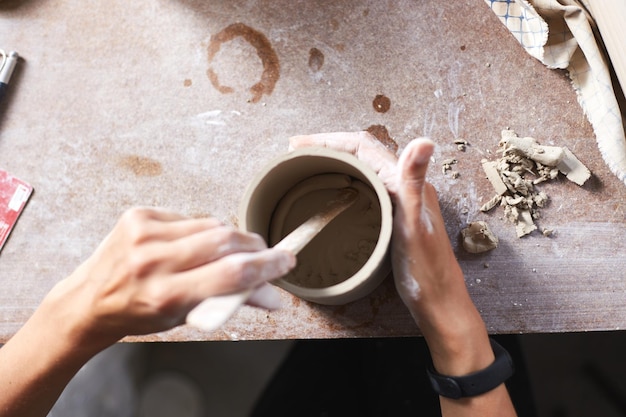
(178, 103)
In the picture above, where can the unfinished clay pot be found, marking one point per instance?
(349, 258)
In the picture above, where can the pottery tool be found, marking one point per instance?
(13, 196)
(7, 64)
(214, 311)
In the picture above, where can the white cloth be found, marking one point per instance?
(560, 34)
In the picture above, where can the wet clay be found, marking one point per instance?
(478, 238)
(344, 246)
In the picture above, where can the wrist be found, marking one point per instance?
(73, 327)
(458, 341)
(476, 383)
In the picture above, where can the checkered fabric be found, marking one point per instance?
(560, 34)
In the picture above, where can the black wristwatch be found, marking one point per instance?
(475, 383)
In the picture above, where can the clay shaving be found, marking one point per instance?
(524, 164)
(478, 238)
(461, 144)
(446, 165)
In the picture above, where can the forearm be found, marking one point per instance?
(145, 277)
(460, 346)
(37, 363)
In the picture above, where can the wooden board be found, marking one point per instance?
(117, 104)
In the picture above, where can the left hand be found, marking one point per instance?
(154, 267)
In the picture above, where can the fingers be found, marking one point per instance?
(413, 165)
(152, 213)
(143, 224)
(412, 186)
(237, 272)
(266, 296)
(206, 246)
(177, 229)
(175, 245)
(362, 145)
(339, 141)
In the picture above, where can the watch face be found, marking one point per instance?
(444, 386)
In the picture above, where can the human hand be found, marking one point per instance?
(154, 267)
(424, 265)
(426, 272)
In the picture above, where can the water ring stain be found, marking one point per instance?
(269, 59)
(381, 103)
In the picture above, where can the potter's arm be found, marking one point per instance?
(431, 284)
(428, 277)
(151, 270)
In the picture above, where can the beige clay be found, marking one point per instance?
(344, 246)
(524, 164)
(478, 238)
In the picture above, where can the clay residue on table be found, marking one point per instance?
(523, 165)
(478, 238)
(316, 59)
(381, 103)
(142, 166)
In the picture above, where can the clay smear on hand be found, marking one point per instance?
(523, 164)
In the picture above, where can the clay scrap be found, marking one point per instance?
(461, 144)
(446, 165)
(524, 164)
(478, 238)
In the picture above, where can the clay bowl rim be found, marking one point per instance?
(377, 259)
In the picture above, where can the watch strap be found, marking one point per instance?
(475, 383)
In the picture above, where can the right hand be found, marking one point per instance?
(427, 275)
(425, 268)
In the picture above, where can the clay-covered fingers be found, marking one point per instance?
(155, 266)
(236, 272)
(265, 296)
(363, 145)
(425, 269)
(202, 247)
(413, 192)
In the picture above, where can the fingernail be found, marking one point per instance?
(279, 263)
(420, 149)
(287, 261)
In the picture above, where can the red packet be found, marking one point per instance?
(14, 193)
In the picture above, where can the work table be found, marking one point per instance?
(117, 104)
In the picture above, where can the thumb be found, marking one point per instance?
(410, 198)
(412, 168)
